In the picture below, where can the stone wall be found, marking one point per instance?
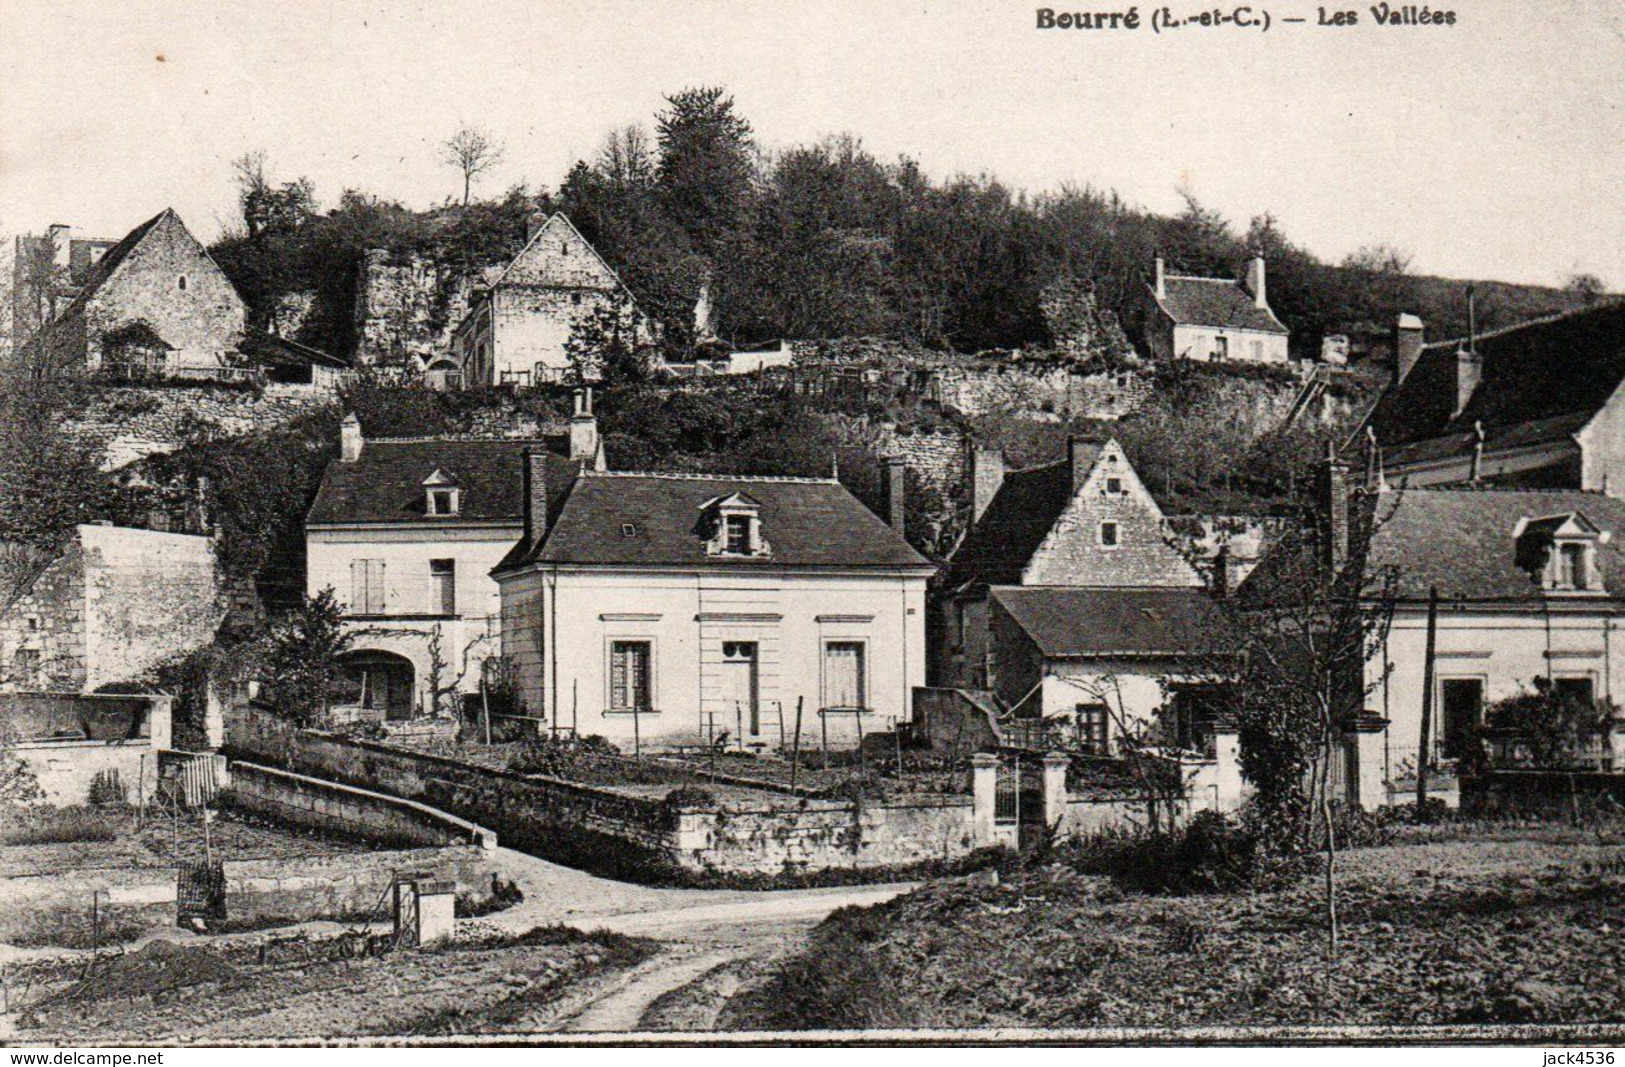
(936, 455)
(1045, 392)
(303, 801)
(351, 886)
(68, 907)
(127, 423)
(817, 835)
(406, 308)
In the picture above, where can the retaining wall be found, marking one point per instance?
(66, 907)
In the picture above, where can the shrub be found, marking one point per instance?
(55, 826)
(1209, 854)
(107, 791)
(560, 757)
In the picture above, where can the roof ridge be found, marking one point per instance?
(1467, 488)
(455, 439)
(1539, 320)
(702, 477)
(1064, 460)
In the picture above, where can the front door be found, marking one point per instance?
(739, 686)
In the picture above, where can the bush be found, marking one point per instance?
(1209, 854)
(560, 757)
(55, 826)
(107, 791)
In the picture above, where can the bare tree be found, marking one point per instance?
(473, 151)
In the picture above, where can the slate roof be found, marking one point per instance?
(1461, 540)
(806, 522)
(385, 485)
(1541, 381)
(1112, 622)
(1214, 302)
(997, 547)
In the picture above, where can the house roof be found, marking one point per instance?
(656, 520)
(104, 267)
(385, 485)
(1541, 381)
(998, 546)
(1214, 302)
(1463, 541)
(281, 352)
(1107, 622)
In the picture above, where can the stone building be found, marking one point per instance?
(48, 271)
(108, 606)
(154, 304)
(519, 322)
(1217, 319)
(406, 531)
(1540, 404)
(670, 609)
(1066, 599)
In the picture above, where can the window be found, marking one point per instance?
(1462, 702)
(28, 665)
(629, 675)
(182, 283)
(1571, 566)
(575, 298)
(1221, 348)
(1094, 730)
(1114, 485)
(443, 586)
(564, 248)
(844, 678)
(442, 502)
(367, 587)
(1579, 689)
(1108, 534)
(738, 531)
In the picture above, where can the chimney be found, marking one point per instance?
(1255, 281)
(59, 236)
(584, 429)
(1469, 370)
(1220, 582)
(1078, 447)
(1161, 286)
(1407, 345)
(986, 475)
(535, 494)
(350, 440)
(1334, 508)
(894, 488)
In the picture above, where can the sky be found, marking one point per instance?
(1491, 148)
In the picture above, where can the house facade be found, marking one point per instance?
(1066, 599)
(154, 303)
(106, 607)
(1536, 405)
(664, 609)
(518, 325)
(1214, 319)
(406, 532)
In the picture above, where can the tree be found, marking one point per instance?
(18, 783)
(1378, 259)
(606, 344)
(473, 151)
(301, 660)
(443, 677)
(1588, 287)
(270, 209)
(1306, 628)
(1552, 729)
(705, 170)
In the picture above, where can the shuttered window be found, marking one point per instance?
(844, 675)
(629, 675)
(367, 586)
(443, 586)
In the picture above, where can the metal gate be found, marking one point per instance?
(200, 892)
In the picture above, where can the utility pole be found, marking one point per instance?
(1427, 704)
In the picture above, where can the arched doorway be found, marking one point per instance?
(377, 685)
(443, 374)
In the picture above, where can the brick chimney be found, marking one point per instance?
(894, 489)
(1255, 281)
(535, 494)
(986, 476)
(1469, 371)
(1080, 455)
(1159, 284)
(584, 428)
(1408, 331)
(1334, 509)
(350, 440)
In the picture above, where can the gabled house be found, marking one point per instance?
(1213, 319)
(48, 270)
(1538, 404)
(406, 531)
(1066, 598)
(153, 304)
(519, 322)
(668, 609)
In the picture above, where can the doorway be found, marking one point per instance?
(1462, 702)
(739, 685)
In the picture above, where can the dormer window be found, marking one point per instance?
(732, 526)
(1560, 552)
(441, 497)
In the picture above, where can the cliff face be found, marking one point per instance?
(406, 307)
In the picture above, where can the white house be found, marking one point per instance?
(518, 326)
(1216, 319)
(406, 531)
(1068, 601)
(667, 608)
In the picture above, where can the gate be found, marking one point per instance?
(200, 892)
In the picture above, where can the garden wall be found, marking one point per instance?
(129, 422)
(68, 907)
(1542, 794)
(354, 886)
(818, 835)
